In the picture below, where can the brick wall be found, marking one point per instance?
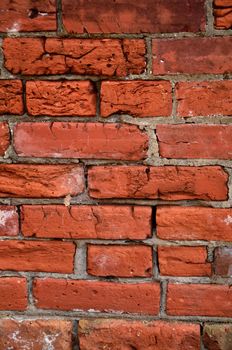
(115, 175)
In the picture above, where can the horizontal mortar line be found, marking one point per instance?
(214, 280)
(144, 35)
(175, 77)
(147, 202)
(52, 314)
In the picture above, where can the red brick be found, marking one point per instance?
(199, 300)
(9, 223)
(80, 140)
(35, 334)
(61, 98)
(126, 16)
(27, 15)
(11, 98)
(120, 261)
(13, 292)
(110, 57)
(85, 221)
(63, 294)
(194, 223)
(223, 261)
(192, 55)
(183, 261)
(222, 14)
(195, 141)
(4, 138)
(169, 182)
(204, 98)
(127, 334)
(40, 181)
(138, 98)
(217, 336)
(37, 256)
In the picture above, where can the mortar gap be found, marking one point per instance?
(75, 339)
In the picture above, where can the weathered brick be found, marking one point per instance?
(194, 223)
(138, 98)
(217, 336)
(192, 55)
(11, 97)
(37, 256)
(13, 291)
(199, 300)
(40, 181)
(183, 261)
(85, 221)
(27, 15)
(109, 57)
(167, 182)
(204, 98)
(4, 138)
(61, 98)
(195, 141)
(119, 261)
(63, 294)
(80, 140)
(223, 261)
(126, 16)
(9, 222)
(127, 334)
(35, 334)
(222, 14)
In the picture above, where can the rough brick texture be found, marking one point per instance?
(59, 294)
(195, 141)
(13, 291)
(119, 334)
(22, 180)
(120, 261)
(194, 223)
(199, 299)
(115, 174)
(36, 334)
(208, 55)
(126, 16)
(110, 57)
(37, 256)
(9, 221)
(74, 98)
(80, 140)
(27, 15)
(138, 98)
(170, 183)
(183, 261)
(103, 222)
(11, 98)
(198, 98)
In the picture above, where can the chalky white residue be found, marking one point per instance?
(15, 28)
(228, 220)
(4, 216)
(48, 341)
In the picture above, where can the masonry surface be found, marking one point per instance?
(115, 175)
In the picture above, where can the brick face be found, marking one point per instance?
(110, 57)
(85, 221)
(130, 17)
(27, 15)
(138, 98)
(138, 334)
(207, 183)
(115, 174)
(74, 98)
(58, 294)
(80, 140)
